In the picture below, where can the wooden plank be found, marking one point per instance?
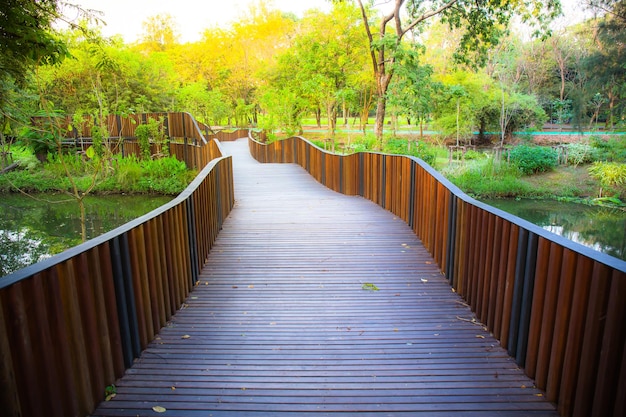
(316, 302)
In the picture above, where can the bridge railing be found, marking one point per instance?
(71, 325)
(559, 308)
(188, 137)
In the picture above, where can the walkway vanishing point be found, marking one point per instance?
(314, 302)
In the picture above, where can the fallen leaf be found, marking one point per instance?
(480, 336)
(159, 409)
(185, 336)
(539, 395)
(110, 397)
(173, 388)
(369, 286)
(424, 280)
(250, 286)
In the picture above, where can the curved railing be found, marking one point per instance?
(189, 140)
(557, 306)
(72, 324)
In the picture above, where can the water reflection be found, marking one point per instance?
(34, 229)
(600, 228)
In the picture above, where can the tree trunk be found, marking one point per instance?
(381, 107)
(83, 218)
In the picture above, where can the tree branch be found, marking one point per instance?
(369, 36)
(425, 16)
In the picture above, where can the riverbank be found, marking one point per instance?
(164, 176)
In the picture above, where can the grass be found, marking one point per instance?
(166, 176)
(564, 181)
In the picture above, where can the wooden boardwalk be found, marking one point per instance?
(315, 302)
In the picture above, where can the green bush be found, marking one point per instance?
(532, 159)
(489, 179)
(165, 176)
(580, 154)
(612, 149)
(612, 175)
(424, 152)
(163, 167)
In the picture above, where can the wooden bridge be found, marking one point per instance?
(313, 301)
(287, 298)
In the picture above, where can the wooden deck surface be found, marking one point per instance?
(315, 302)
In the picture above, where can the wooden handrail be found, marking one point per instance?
(72, 324)
(557, 306)
(182, 128)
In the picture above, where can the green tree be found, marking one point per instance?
(483, 22)
(413, 89)
(26, 36)
(606, 61)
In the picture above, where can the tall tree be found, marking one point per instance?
(26, 37)
(483, 22)
(606, 62)
(159, 32)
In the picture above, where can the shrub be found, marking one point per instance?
(163, 168)
(612, 175)
(581, 153)
(489, 179)
(424, 152)
(612, 149)
(532, 159)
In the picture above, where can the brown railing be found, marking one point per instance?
(188, 137)
(557, 306)
(72, 324)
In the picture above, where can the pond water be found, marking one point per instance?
(33, 229)
(601, 228)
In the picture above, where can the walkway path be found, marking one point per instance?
(315, 302)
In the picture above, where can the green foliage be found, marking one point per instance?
(369, 287)
(364, 143)
(24, 157)
(27, 38)
(415, 148)
(610, 149)
(489, 179)
(143, 134)
(152, 132)
(41, 141)
(612, 175)
(470, 155)
(581, 153)
(532, 159)
(98, 134)
(163, 176)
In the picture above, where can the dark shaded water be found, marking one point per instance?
(601, 228)
(35, 229)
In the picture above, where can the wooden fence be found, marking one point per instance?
(188, 140)
(71, 325)
(557, 306)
